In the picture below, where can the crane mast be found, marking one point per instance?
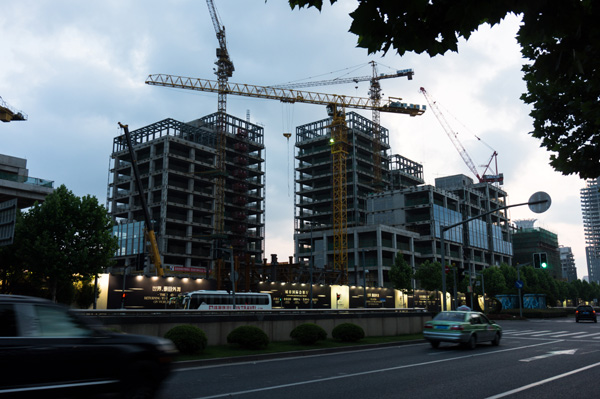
(336, 105)
(224, 71)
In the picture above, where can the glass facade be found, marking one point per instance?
(131, 238)
(501, 246)
(447, 217)
(478, 237)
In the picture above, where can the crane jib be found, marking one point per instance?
(392, 105)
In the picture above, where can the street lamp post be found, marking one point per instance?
(233, 275)
(364, 278)
(519, 288)
(538, 203)
(310, 264)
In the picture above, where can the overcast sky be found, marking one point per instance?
(78, 67)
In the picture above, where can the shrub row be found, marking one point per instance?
(191, 340)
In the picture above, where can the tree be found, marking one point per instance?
(429, 275)
(401, 274)
(558, 42)
(64, 240)
(495, 283)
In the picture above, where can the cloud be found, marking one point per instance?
(77, 68)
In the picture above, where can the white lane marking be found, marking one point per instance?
(535, 384)
(549, 333)
(589, 335)
(337, 377)
(550, 354)
(566, 335)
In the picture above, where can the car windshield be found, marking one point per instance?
(450, 316)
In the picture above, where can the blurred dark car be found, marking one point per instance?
(585, 312)
(48, 351)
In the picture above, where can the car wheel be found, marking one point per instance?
(496, 340)
(472, 343)
(576, 320)
(595, 320)
(435, 344)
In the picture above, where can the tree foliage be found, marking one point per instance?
(64, 240)
(429, 275)
(401, 274)
(558, 42)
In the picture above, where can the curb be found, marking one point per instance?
(283, 355)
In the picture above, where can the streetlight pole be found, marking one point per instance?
(364, 278)
(232, 276)
(310, 264)
(536, 199)
(519, 287)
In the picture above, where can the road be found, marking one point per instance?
(535, 359)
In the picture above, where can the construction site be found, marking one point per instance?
(188, 198)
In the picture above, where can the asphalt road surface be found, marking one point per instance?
(535, 359)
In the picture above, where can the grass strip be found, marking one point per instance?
(223, 351)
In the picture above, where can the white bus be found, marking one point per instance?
(222, 300)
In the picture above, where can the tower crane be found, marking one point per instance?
(336, 105)
(483, 177)
(374, 95)
(8, 113)
(224, 71)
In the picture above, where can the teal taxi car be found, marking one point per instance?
(462, 327)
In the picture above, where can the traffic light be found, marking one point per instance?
(338, 296)
(543, 260)
(536, 260)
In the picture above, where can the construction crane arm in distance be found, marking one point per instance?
(404, 72)
(483, 178)
(149, 228)
(8, 113)
(391, 105)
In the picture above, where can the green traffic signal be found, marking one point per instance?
(543, 260)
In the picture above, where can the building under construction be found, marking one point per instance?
(391, 214)
(177, 164)
(366, 173)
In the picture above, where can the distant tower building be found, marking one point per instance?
(590, 208)
(18, 190)
(567, 261)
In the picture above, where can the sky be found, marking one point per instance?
(77, 68)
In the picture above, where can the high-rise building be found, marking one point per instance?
(590, 208)
(177, 163)
(567, 260)
(370, 248)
